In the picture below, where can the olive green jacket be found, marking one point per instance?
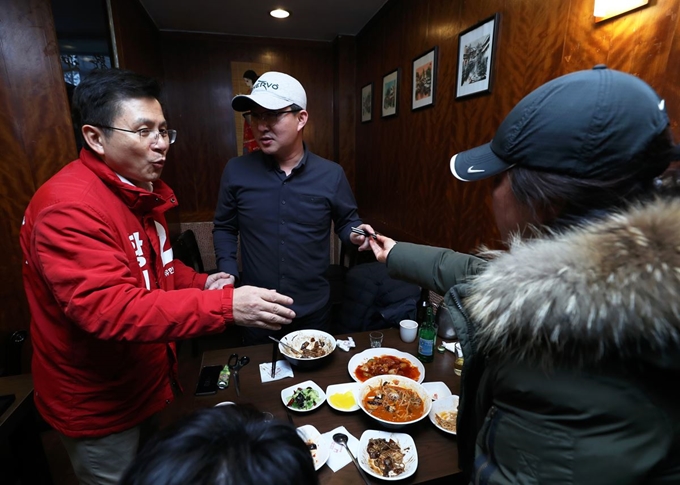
(449, 273)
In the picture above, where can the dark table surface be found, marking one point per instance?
(437, 452)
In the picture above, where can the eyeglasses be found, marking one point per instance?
(268, 117)
(146, 133)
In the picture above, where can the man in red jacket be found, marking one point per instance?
(106, 296)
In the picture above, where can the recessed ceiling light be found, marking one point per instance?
(279, 13)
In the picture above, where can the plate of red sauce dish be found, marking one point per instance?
(385, 361)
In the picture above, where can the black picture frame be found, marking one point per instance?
(366, 103)
(389, 99)
(424, 79)
(477, 57)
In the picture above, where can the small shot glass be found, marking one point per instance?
(376, 339)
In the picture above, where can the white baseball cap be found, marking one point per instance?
(272, 90)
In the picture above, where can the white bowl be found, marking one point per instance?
(362, 357)
(225, 403)
(437, 390)
(398, 381)
(287, 393)
(310, 434)
(299, 337)
(448, 404)
(407, 445)
(342, 389)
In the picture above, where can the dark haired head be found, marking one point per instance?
(96, 99)
(250, 74)
(229, 445)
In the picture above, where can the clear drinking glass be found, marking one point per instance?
(376, 339)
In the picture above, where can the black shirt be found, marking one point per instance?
(284, 224)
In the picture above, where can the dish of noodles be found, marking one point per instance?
(388, 456)
(444, 414)
(394, 401)
(385, 361)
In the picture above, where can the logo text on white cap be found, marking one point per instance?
(265, 85)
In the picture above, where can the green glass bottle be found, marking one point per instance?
(426, 338)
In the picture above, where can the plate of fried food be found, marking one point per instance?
(388, 456)
(380, 361)
(444, 413)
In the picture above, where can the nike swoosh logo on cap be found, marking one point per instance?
(662, 104)
(474, 170)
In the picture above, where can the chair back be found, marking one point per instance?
(185, 248)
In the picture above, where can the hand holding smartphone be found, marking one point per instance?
(356, 230)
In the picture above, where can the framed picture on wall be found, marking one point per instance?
(390, 98)
(424, 79)
(476, 57)
(366, 102)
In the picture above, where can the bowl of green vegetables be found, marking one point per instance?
(303, 397)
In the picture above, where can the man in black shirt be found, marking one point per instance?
(281, 201)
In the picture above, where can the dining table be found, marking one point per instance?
(437, 451)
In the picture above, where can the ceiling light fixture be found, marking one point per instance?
(279, 13)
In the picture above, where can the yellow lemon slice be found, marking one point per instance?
(343, 400)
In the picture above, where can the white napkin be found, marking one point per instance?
(454, 347)
(283, 369)
(346, 345)
(338, 456)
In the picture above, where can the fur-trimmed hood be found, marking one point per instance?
(606, 290)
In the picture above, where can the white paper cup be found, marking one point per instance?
(408, 330)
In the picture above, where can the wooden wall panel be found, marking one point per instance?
(137, 39)
(198, 81)
(404, 185)
(35, 136)
(345, 105)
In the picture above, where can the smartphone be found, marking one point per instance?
(207, 380)
(364, 233)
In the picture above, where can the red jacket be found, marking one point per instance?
(107, 299)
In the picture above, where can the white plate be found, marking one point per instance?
(447, 404)
(288, 392)
(310, 434)
(225, 403)
(341, 389)
(406, 444)
(362, 357)
(437, 390)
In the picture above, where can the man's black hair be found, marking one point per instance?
(96, 99)
(227, 445)
(250, 74)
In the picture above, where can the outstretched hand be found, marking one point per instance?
(261, 308)
(381, 246)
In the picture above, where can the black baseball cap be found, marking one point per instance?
(582, 124)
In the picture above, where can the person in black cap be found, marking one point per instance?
(571, 338)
